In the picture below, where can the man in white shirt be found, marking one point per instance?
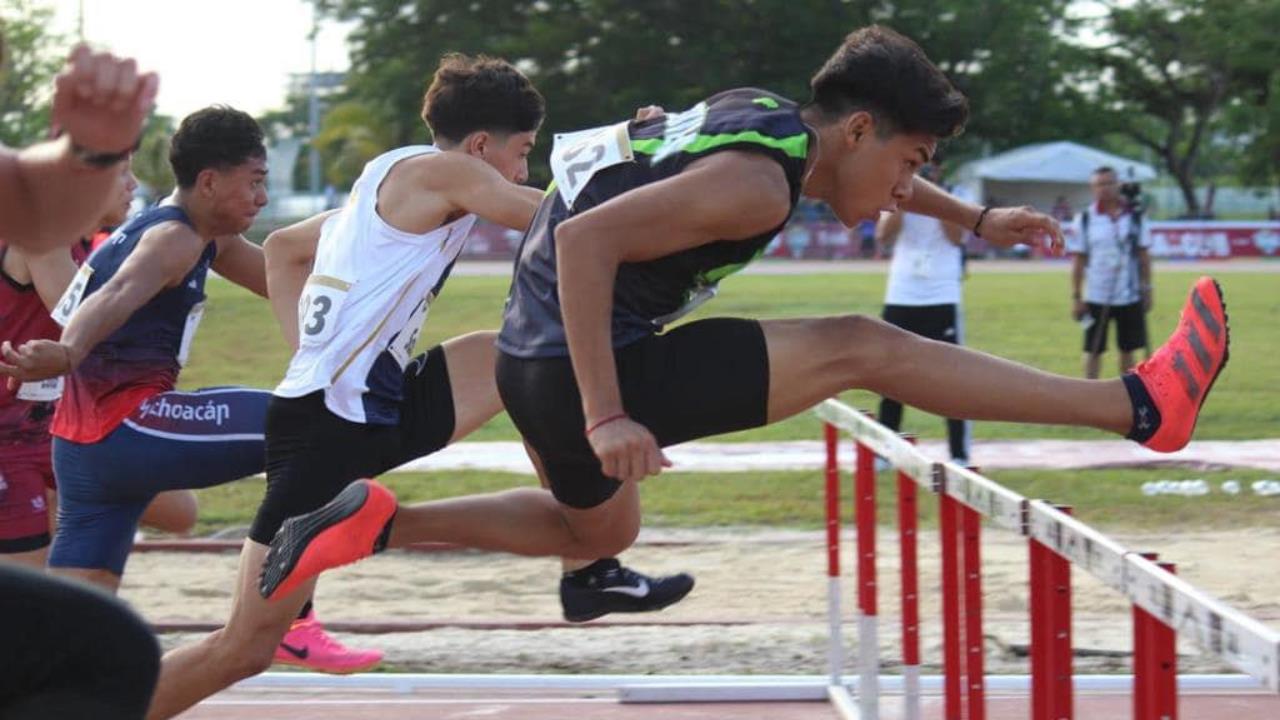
(923, 293)
(1109, 249)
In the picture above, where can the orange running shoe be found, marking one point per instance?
(352, 526)
(1170, 387)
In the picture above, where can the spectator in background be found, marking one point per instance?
(865, 232)
(1109, 255)
(1062, 211)
(923, 293)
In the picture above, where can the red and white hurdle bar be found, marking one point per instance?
(1163, 604)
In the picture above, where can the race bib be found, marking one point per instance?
(577, 156)
(189, 332)
(405, 342)
(71, 298)
(318, 308)
(920, 265)
(41, 391)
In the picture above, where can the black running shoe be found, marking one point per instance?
(606, 587)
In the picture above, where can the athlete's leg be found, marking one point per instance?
(24, 511)
(94, 534)
(214, 437)
(700, 379)
(310, 455)
(32, 559)
(525, 521)
(242, 649)
(813, 359)
(172, 511)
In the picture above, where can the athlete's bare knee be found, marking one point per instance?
(606, 541)
(860, 346)
(240, 655)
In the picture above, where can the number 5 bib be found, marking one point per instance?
(71, 298)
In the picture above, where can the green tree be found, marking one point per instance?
(151, 160)
(1172, 71)
(350, 136)
(32, 56)
(597, 60)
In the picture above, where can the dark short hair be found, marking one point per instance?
(886, 74)
(218, 137)
(470, 94)
(1104, 169)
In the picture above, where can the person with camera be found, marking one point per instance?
(1109, 250)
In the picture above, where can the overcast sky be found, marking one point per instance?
(237, 52)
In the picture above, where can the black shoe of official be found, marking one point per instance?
(606, 587)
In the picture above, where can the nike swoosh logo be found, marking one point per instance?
(638, 591)
(300, 653)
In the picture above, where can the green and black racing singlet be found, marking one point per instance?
(593, 166)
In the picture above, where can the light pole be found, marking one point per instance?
(313, 113)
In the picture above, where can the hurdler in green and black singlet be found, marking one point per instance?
(593, 166)
(700, 379)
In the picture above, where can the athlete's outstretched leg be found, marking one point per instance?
(242, 649)
(525, 521)
(811, 360)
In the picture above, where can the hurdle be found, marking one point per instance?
(1164, 605)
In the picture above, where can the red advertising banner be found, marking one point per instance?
(1214, 239)
(824, 240)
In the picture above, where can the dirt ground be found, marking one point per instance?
(772, 582)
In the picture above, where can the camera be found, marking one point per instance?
(1131, 191)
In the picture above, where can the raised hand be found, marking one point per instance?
(101, 101)
(1006, 227)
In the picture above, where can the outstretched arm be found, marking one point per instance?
(54, 192)
(472, 185)
(241, 262)
(1003, 227)
(163, 257)
(290, 253)
(727, 196)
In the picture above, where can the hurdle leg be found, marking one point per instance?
(1164, 643)
(868, 624)
(948, 522)
(974, 645)
(1039, 600)
(1155, 664)
(835, 646)
(908, 520)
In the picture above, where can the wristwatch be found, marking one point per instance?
(99, 160)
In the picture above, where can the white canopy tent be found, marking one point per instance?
(1038, 174)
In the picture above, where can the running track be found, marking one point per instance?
(280, 704)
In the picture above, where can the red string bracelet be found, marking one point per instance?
(599, 423)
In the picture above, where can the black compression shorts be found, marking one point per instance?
(704, 378)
